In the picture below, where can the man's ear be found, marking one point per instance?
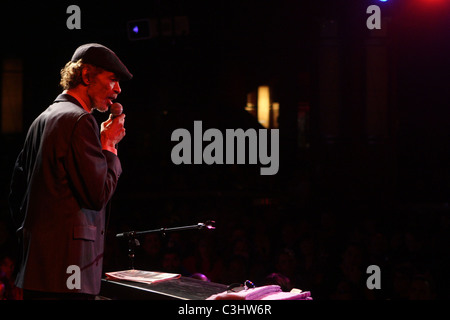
(86, 76)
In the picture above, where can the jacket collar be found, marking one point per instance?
(64, 97)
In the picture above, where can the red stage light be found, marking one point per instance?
(432, 2)
(430, 5)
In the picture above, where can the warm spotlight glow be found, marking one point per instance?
(264, 106)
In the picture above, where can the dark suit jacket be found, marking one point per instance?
(61, 183)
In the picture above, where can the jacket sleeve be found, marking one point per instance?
(93, 173)
(17, 191)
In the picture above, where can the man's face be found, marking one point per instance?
(103, 89)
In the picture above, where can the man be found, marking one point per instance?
(64, 177)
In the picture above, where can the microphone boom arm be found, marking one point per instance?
(208, 225)
(133, 242)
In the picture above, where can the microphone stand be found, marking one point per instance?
(133, 242)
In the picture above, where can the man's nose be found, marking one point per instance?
(116, 88)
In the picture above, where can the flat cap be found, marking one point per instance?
(103, 57)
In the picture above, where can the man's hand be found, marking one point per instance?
(111, 132)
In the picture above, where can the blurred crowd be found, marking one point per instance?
(324, 249)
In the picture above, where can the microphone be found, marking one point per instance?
(116, 109)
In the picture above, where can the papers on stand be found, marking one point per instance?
(141, 276)
(268, 292)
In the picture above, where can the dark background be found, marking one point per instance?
(339, 203)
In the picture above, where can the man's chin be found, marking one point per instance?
(102, 109)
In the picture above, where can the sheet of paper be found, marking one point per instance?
(141, 276)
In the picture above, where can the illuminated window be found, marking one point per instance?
(12, 96)
(260, 106)
(264, 106)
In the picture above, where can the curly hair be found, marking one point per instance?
(71, 74)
